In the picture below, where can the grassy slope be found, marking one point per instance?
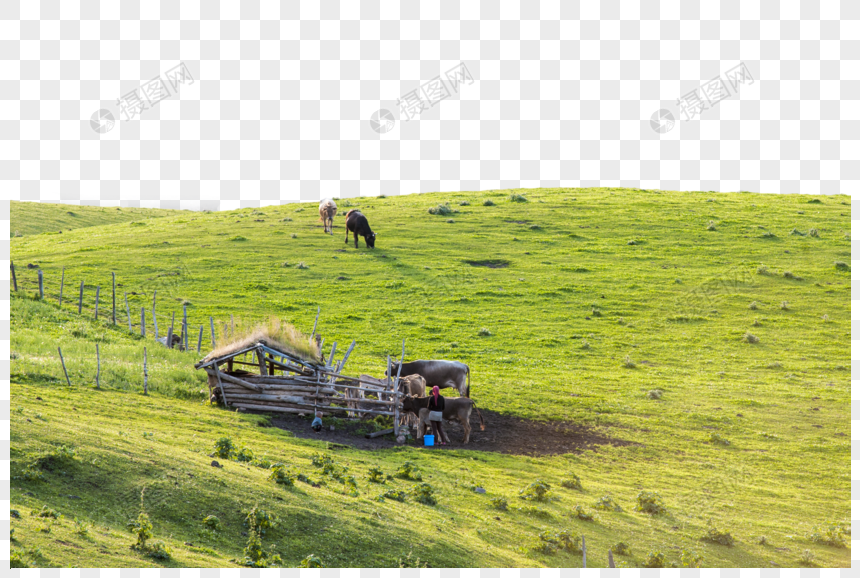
(415, 285)
(35, 218)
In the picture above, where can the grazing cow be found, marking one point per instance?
(439, 372)
(357, 224)
(459, 408)
(328, 209)
(414, 385)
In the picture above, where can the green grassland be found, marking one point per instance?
(35, 218)
(595, 298)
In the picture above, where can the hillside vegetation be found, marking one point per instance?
(706, 333)
(34, 218)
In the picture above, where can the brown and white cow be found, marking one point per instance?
(328, 209)
(459, 408)
(439, 372)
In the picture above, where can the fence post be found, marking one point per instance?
(212, 329)
(66, 373)
(41, 285)
(127, 311)
(397, 389)
(314, 330)
(611, 560)
(98, 288)
(14, 278)
(231, 326)
(62, 281)
(169, 337)
(143, 321)
(184, 327)
(200, 339)
(81, 298)
(584, 565)
(98, 366)
(154, 318)
(113, 295)
(145, 375)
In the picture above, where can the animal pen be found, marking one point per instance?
(263, 376)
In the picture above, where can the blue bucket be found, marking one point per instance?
(428, 440)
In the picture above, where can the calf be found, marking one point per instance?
(455, 408)
(357, 224)
(412, 385)
(328, 209)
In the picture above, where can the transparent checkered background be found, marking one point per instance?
(280, 108)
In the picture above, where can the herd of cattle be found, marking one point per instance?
(418, 375)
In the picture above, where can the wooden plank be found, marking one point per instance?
(128, 312)
(14, 277)
(309, 409)
(220, 385)
(169, 340)
(397, 388)
(63, 361)
(379, 433)
(212, 329)
(81, 298)
(345, 357)
(331, 356)
(237, 381)
(200, 339)
(261, 361)
(185, 327)
(143, 321)
(98, 288)
(273, 408)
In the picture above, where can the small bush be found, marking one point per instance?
(654, 394)
(842, 266)
(423, 493)
(784, 305)
(302, 265)
(585, 345)
(807, 558)
(82, 527)
(517, 199)
(795, 231)
(719, 537)
(260, 520)
(753, 305)
(537, 491)
(632, 242)
(408, 471)
(715, 438)
(211, 522)
(16, 560)
(449, 221)
(376, 475)
(551, 541)
(762, 270)
(749, 338)
(500, 504)
(464, 203)
(756, 322)
(655, 559)
(790, 275)
(489, 203)
(484, 332)
(293, 236)
(245, 455)
(142, 529)
(650, 503)
(410, 562)
(237, 238)
(282, 475)
(825, 318)
(629, 363)
(621, 548)
(608, 504)
(768, 235)
(761, 541)
(572, 482)
(442, 209)
(224, 448)
(256, 556)
(813, 233)
(311, 562)
(711, 226)
(159, 550)
(581, 514)
(690, 559)
(396, 495)
(831, 534)
(47, 512)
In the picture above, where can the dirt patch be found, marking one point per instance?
(504, 434)
(491, 263)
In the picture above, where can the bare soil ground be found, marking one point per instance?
(503, 434)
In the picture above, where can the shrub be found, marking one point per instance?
(47, 512)
(484, 332)
(690, 559)
(621, 548)
(311, 562)
(572, 482)
(756, 322)
(396, 495)
(629, 363)
(654, 394)
(350, 486)
(16, 560)
(260, 520)
(790, 275)
(376, 475)
(442, 209)
(761, 541)
(768, 235)
(82, 527)
(711, 226)
(255, 556)
(159, 550)
(649, 502)
(293, 236)
(795, 231)
(830, 534)
(762, 270)
(715, 438)
(784, 305)
(489, 203)
(237, 238)
(423, 493)
(595, 311)
(464, 203)
(245, 455)
(813, 233)
(449, 221)
(224, 448)
(655, 559)
(500, 504)
(551, 541)
(807, 558)
(632, 242)
(517, 199)
(212, 523)
(142, 529)
(607, 503)
(409, 561)
(302, 265)
(408, 471)
(580, 513)
(749, 338)
(719, 537)
(537, 491)
(842, 266)
(281, 474)
(753, 306)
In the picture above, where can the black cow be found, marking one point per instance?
(357, 223)
(439, 372)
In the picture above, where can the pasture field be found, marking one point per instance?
(34, 218)
(703, 337)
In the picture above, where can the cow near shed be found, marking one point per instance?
(439, 372)
(459, 408)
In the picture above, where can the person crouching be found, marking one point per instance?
(316, 425)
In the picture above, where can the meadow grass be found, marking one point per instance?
(514, 302)
(51, 218)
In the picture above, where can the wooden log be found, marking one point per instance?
(345, 357)
(200, 339)
(98, 288)
(14, 277)
(379, 433)
(283, 390)
(145, 374)
(62, 282)
(263, 407)
(113, 297)
(212, 329)
(237, 381)
(154, 318)
(81, 298)
(169, 341)
(220, 384)
(98, 366)
(273, 409)
(41, 284)
(261, 361)
(397, 387)
(331, 355)
(128, 312)
(172, 318)
(143, 322)
(63, 362)
(584, 565)
(611, 560)
(314, 330)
